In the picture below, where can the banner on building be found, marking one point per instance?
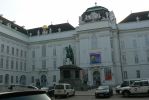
(108, 74)
(95, 58)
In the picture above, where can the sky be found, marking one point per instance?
(36, 13)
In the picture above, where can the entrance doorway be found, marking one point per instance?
(23, 80)
(96, 78)
(43, 80)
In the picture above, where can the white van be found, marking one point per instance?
(138, 87)
(125, 83)
(64, 89)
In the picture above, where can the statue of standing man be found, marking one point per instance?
(69, 55)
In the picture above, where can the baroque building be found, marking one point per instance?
(106, 51)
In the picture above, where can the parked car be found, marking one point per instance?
(138, 87)
(44, 88)
(124, 84)
(104, 91)
(51, 91)
(64, 89)
(24, 95)
(16, 87)
(32, 87)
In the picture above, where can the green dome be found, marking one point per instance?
(96, 8)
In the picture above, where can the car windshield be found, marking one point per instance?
(28, 97)
(50, 88)
(103, 87)
(125, 83)
(59, 87)
(132, 81)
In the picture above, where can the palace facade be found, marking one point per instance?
(106, 51)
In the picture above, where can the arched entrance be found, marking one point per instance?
(96, 78)
(43, 80)
(23, 80)
(6, 79)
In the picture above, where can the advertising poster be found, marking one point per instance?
(95, 58)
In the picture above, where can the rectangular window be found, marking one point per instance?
(54, 78)
(7, 49)
(11, 79)
(124, 58)
(43, 64)
(108, 74)
(24, 66)
(16, 65)
(94, 42)
(122, 45)
(138, 73)
(21, 65)
(2, 63)
(16, 79)
(54, 51)
(134, 43)
(111, 42)
(54, 64)
(21, 53)
(7, 63)
(43, 50)
(2, 47)
(12, 50)
(33, 54)
(17, 52)
(146, 40)
(33, 67)
(147, 55)
(12, 64)
(25, 54)
(1, 78)
(136, 58)
(125, 75)
(32, 80)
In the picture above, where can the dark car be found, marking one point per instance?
(24, 95)
(50, 91)
(104, 91)
(16, 87)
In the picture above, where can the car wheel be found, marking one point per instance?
(96, 96)
(67, 95)
(126, 93)
(55, 96)
(73, 93)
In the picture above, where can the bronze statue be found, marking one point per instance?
(69, 54)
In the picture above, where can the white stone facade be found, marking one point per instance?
(122, 50)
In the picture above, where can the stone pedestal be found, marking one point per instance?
(71, 74)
